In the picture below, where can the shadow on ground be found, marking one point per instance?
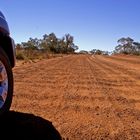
(17, 126)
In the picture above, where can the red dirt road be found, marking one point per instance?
(86, 97)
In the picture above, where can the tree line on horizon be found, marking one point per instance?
(95, 52)
(49, 44)
(125, 46)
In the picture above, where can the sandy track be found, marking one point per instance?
(86, 97)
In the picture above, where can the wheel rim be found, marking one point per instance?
(3, 84)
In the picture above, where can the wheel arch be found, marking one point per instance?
(7, 44)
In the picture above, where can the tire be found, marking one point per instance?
(6, 83)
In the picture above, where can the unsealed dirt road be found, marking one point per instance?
(85, 97)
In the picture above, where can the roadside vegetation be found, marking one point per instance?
(126, 46)
(52, 46)
(49, 46)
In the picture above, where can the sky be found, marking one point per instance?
(95, 24)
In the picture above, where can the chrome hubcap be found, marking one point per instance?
(3, 84)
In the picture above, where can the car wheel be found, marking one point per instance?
(6, 83)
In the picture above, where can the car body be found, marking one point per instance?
(7, 62)
(7, 42)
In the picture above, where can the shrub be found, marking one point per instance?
(20, 55)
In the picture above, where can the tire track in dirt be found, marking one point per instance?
(43, 74)
(126, 69)
(110, 97)
(127, 59)
(128, 75)
(119, 103)
(129, 84)
(119, 78)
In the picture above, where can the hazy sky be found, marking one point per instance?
(93, 23)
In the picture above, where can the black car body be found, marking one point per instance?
(7, 42)
(7, 62)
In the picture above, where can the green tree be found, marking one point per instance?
(69, 42)
(49, 42)
(31, 44)
(136, 48)
(125, 45)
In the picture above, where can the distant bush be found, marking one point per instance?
(99, 52)
(83, 52)
(20, 55)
